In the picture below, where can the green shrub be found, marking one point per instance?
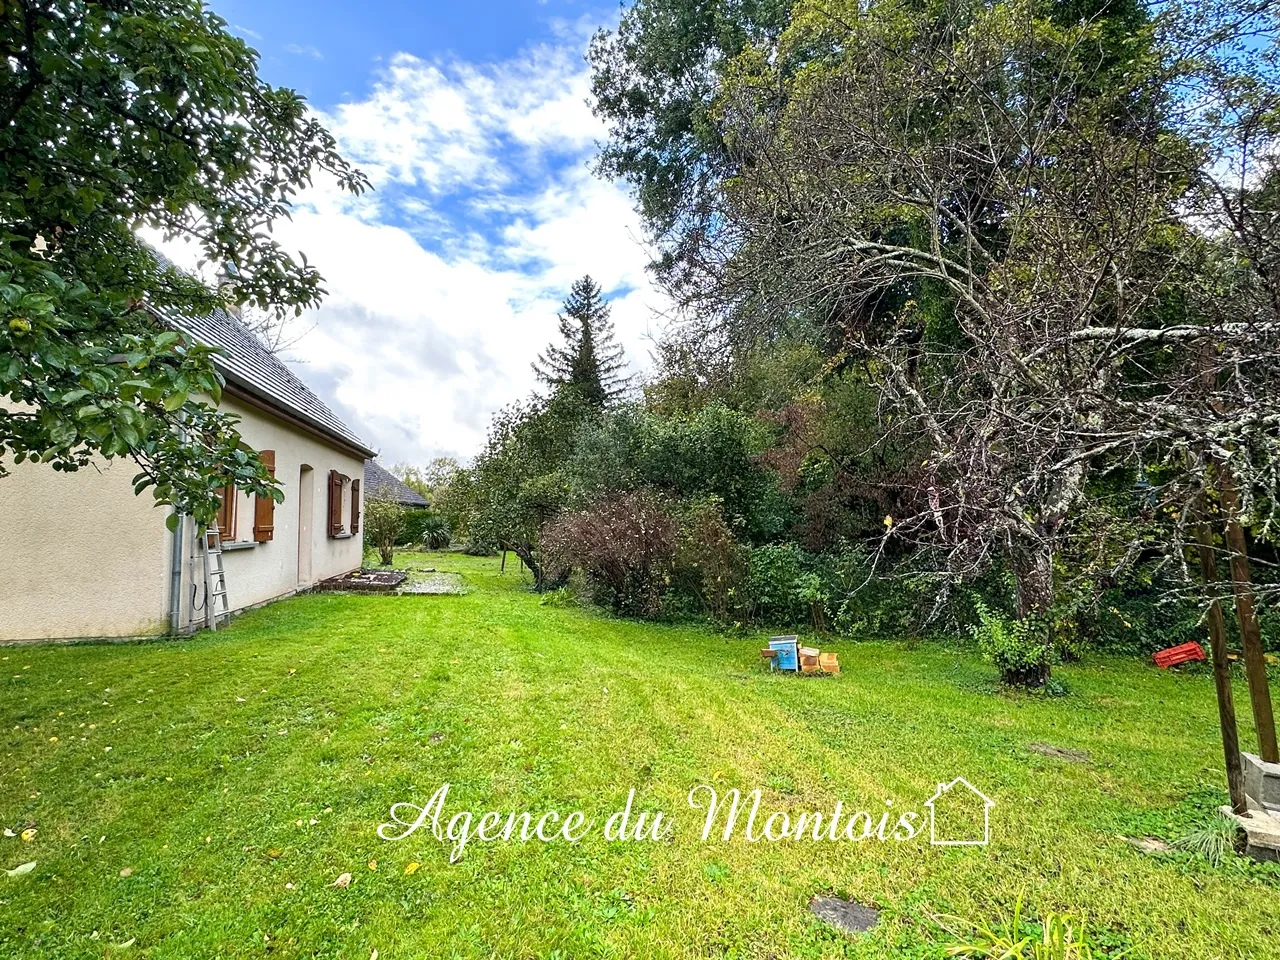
(417, 523)
(1017, 647)
(772, 593)
(435, 533)
(383, 522)
(710, 564)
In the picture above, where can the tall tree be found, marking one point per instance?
(988, 202)
(590, 360)
(655, 80)
(114, 116)
(518, 481)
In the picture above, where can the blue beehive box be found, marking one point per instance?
(788, 657)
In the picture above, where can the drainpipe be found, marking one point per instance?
(175, 577)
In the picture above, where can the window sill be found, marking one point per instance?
(239, 545)
(341, 536)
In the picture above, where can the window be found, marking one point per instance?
(232, 503)
(344, 505)
(227, 512)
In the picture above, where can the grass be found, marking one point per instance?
(233, 777)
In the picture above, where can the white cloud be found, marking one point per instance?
(445, 282)
(303, 51)
(446, 125)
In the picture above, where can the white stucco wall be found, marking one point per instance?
(81, 556)
(260, 572)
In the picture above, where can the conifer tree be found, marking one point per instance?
(590, 360)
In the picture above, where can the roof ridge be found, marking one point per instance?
(245, 360)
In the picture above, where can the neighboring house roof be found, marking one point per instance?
(244, 362)
(379, 482)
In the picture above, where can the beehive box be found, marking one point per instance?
(786, 656)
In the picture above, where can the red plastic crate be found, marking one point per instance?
(1182, 653)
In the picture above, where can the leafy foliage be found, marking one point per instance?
(518, 484)
(139, 112)
(710, 564)
(424, 527)
(384, 522)
(1016, 646)
(655, 82)
(624, 547)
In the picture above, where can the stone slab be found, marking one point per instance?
(849, 915)
(1262, 831)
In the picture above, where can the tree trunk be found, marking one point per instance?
(1221, 667)
(1033, 574)
(1255, 662)
(525, 552)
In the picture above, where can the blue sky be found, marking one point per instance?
(472, 121)
(324, 48)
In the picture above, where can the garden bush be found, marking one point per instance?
(1015, 646)
(710, 565)
(781, 587)
(383, 523)
(425, 527)
(624, 547)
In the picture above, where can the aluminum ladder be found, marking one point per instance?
(215, 578)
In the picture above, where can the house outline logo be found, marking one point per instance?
(939, 794)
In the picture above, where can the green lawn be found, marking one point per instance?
(234, 776)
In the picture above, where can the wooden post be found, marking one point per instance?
(1221, 667)
(1255, 663)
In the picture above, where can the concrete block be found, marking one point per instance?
(1262, 832)
(1261, 783)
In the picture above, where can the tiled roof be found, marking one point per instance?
(382, 483)
(245, 362)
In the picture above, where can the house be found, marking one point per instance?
(82, 556)
(379, 482)
(959, 815)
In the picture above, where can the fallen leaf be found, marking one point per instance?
(29, 834)
(275, 853)
(374, 955)
(127, 944)
(373, 864)
(411, 868)
(20, 870)
(9, 833)
(127, 872)
(288, 886)
(343, 881)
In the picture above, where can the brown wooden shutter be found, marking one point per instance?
(227, 512)
(264, 508)
(335, 503)
(355, 506)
